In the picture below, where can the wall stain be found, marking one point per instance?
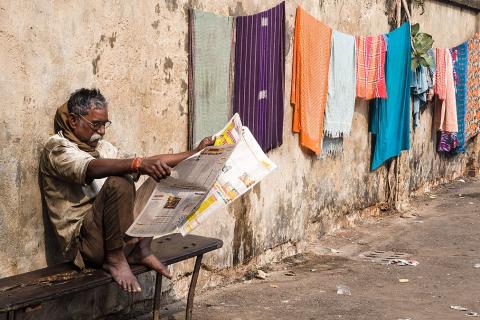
(95, 64)
(167, 67)
(183, 87)
(238, 11)
(182, 110)
(243, 232)
(155, 24)
(112, 39)
(157, 8)
(172, 5)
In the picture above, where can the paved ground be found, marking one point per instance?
(443, 236)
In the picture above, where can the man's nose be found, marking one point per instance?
(101, 130)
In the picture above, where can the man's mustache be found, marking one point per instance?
(95, 137)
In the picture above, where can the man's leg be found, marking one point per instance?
(102, 237)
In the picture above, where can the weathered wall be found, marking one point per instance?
(135, 52)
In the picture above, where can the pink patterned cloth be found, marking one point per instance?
(371, 53)
(446, 109)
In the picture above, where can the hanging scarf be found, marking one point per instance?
(61, 124)
(260, 74)
(422, 82)
(460, 58)
(447, 141)
(211, 39)
(472, 118)
(371, 52)
(341, 93)
(440, 72)
(390, 118)
(311, 58)
(446, 110)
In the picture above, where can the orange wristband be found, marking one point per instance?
(136, 162)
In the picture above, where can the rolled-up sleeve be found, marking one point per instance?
(69, 163)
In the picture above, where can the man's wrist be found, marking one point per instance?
(135, 165)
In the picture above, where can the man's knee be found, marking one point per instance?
(122, 186)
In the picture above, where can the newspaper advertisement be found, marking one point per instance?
(173, 199)
(247, 166)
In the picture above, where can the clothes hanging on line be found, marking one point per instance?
(472, 118)
(311, 58)
(422, 82)
(446, 110)
(210, 94)
(440, 68)
(260, 74)
(390, 118)
(460, 58)
(341, 93)
(370, 67)
(447, 141)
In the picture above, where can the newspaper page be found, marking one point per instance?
(178, 196)
(247, 166)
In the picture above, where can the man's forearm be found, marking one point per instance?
(173, 159)
(102, 168)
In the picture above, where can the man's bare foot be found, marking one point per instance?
(117, 265)
(143, 255)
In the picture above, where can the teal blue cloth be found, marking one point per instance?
(390, 118)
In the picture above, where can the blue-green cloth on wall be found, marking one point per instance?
(210, 78)
(390, 118)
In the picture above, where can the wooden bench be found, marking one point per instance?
(30, 290)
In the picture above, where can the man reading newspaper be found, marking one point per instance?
(90, 192)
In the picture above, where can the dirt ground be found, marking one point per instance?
(442, 233)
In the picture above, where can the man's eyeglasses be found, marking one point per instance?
(95, 126)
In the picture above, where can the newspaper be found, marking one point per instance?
(202, 184)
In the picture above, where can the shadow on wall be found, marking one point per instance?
(53, 252)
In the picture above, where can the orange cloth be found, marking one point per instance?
(440, 73)
(371, 55)
(311, 60)
(446, 110)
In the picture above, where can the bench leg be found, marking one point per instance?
(158, 297)
(11, 315)
(193, 284)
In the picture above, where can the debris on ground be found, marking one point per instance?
(476, 265)
(334, 251)
(403, 280)
(472, 314)
(261, 275)
(403, 262)
(461, 180)
(344, 290)
(432, 196)
(289, 273)
(273, 286)
(459, 308)
(313, 270)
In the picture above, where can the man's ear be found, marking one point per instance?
(72, 120)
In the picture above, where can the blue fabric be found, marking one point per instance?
(419, 92)
(460, 58)
(390, 118)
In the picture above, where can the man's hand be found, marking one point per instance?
(208, 141)
(156, 167)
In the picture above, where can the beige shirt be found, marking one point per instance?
(63, 168)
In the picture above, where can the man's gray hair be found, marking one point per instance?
(82, 100)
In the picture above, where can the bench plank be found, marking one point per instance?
(53, 282)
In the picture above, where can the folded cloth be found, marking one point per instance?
(460, 58)
(447, 141)
(440, 71)
(311, 58)
(472, 118)
(210, 89)
(446, 110)
(371, 52)
(390, 118)
(260, 74)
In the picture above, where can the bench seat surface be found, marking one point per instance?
(53, 282)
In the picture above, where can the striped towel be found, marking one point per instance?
(472, 119)
(311, 58)
(371, 52)
(211, 43)
(260, 74)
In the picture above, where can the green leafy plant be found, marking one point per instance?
(422, 42)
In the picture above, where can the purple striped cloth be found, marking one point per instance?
(260, 74)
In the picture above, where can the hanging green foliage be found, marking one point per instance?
(422, 42)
